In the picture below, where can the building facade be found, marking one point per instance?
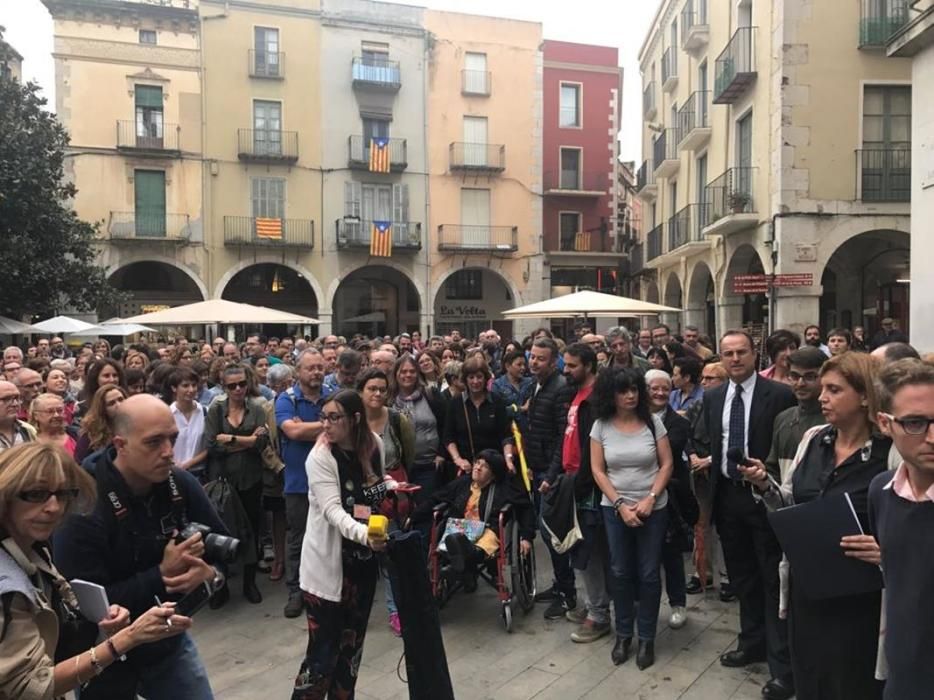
(775, 146)
(11, 62)
(583, 223)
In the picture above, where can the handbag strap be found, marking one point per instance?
(489, 503)
(473, 452)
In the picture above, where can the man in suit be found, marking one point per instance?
(740, 414)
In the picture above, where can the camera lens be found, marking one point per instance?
(221, 548)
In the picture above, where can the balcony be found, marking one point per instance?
(477, 83)
(646, 187)
(670, 69)
(269, 232)
(884, 175)
(653, 243)
(152, 139)
(649, 109)
(359, 157)
(478, 239)
(695, 31)
(730, 202)
(573, 183)
(665, 153)
(267, 145)
(356, 234)
(880, 19)
(686, 227)
(156, 227)
(478, 157)
(582, 244)
(267, 64)
(736, 67)
(693, 121)
(376, 74)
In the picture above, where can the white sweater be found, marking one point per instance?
(321, 572)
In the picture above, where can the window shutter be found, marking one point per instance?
(400, 203)
(148, 96)
(352, 197)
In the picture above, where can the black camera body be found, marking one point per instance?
(217, 548)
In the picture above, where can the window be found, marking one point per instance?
(374, 53)
(475, 141)
(886, 155)
(570, 169)
(149, 123)
(569, 110)
(570, 223)
(673, 197)
(268, 197)
(476, 80)
(266, 45)
(674, 36)
(475, 217)
(149, 196)
(368, 202)
(742, 181)
(464, 284)
(267, 127)
(147, 36)
(374, 128)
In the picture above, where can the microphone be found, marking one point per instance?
(736, 454)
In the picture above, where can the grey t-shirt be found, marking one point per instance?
(631, 460)
(427, 440)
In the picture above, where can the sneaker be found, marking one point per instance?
(395, 624)
(577, 615)
(727, 595)
(678, 618)
(590, 631)
(559, 607)
(546, 596)
(694, 585)
(294, 607)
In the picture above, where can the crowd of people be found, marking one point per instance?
(132, 466)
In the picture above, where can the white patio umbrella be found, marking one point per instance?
(588, 304)
(9, 326)
(218, 311)
(61, 324)
(121, 329)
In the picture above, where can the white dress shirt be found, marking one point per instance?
(749, 387)
(190, 439)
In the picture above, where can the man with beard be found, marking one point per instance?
(812, 338)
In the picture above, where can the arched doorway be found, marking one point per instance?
(375, 301)
(151, 285)
(865, 280)
(472, 300)
(674, 298)
(651, 291)
(702, 301)
(754, 311)
(276, 286)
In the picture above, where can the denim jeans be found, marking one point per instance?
(296, 515)
(675, 584)
(635, 558)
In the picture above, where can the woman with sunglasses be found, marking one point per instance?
(236, 434)
(834, 641)
(47, 415)
(39, 617)
(97, 424)
(338, 569)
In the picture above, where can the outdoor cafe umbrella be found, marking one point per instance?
(120, 329)
(218, 311)
(61, 324)
(588, 304)
(9, 326)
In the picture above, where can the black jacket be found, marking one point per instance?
(489, 426)
(679, 486)
(583, 480)
(122, 552)
(547, 419)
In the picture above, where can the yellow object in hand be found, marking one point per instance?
(378, 527)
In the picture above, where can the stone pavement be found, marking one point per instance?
(253, 652)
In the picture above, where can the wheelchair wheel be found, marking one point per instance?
(507, 616)
(523, 574)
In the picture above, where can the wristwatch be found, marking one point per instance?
(652, 494)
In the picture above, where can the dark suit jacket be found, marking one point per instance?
(768, 400)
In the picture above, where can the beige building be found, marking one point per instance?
(12, 62)
(484, 143)
(776, 139)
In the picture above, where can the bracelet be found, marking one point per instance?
(618, 502)
(113, 650)
(98, 668)
(77, 668)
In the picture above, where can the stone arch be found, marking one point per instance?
(651, 291)
(376, 299)
(202, 287)
(741, 310)
(513, 289)
(472, 315)
(701, 303)
(348, 271)
(295, 267)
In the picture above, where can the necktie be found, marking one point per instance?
(737, 436)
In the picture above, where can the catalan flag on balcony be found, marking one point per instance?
(269, 229)
(582, 242)
(381, 239)
(379, 154)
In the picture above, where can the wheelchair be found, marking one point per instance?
(509, 573)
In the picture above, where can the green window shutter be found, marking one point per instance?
(148, 96)
(149, 190)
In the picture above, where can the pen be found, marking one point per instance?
(168, 620)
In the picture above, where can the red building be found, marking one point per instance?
(582, 224)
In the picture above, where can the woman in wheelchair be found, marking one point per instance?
(478, 497)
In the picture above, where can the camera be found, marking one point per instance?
(217, 548)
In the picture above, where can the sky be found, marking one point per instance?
(619, 23)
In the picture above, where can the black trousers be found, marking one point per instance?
(752, 556)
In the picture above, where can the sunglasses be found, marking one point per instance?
(236, 385)
(43, 495)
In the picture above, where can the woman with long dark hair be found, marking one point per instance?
(97, 424)
(338, 570)
(658, 359)
(103, 371)
(631, 462)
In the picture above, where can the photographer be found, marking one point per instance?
(128, 544)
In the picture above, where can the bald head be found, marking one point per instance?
(144, 435)
(892, 352)
(139, 410)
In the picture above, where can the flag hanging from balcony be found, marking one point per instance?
(379, 154)
(381, 239)
(269, 229)
(582, 242)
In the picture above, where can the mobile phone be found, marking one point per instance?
(194, 601)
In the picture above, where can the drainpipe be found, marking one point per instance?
(429, 301)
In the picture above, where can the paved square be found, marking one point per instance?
(254, 652)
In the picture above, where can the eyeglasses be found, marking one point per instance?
(58, 410)
(377, 389)
(43, 495)
(236, 385)
(11, 399)
(807, 376)
(332, 417)
(912, 425)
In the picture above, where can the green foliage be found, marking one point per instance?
(48, 260)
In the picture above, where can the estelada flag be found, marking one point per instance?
(381, 239)
(379, 154)
(269, 228)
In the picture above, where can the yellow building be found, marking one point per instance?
(484, 145)
(776, 140)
